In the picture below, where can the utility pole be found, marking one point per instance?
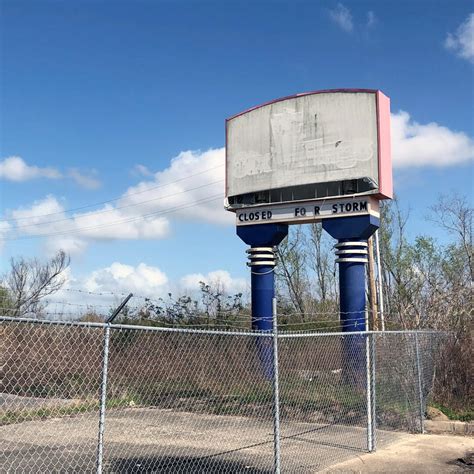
(372, 287)
(379, 281)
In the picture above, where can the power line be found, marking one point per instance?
(336, 312)
(119, 207)
(117, 198)
(136, 218)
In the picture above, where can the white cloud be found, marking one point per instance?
(146, 280)
(342, 16)
(38, 213)
(72, 245)
(218, 278)
(371, 19)
(431, 144)
(71, 233)
(199, 198)
(83, 180)
(110, 223)
(141, 170)
(38, 218)
(5, 228)
(191, 188)
(119, 278)
(15, 168)
(462, 41)
(104, 288)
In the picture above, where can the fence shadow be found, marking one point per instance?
(182, 400)
(173, 464)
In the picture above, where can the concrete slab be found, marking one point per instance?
(159, 440)
(462, 428)
(423, 454)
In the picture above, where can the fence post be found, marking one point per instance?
(420, 383)
(103, 398)
(276, 394)
(374, 392)
(368, 378)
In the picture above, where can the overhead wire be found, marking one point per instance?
(236, 320)
(117, 198)
(161, 301)
(102, 293)
(95, 213)
(112, 293)
(125, 221)
(232, 319)
(79, 305)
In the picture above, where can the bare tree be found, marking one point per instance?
(29, 281)
(427, 284)
(218, 304)
(291, 269)
(400, 278)
(455, 216)
(322, 263)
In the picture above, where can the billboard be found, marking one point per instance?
(312, 146)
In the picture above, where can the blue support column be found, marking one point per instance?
(352, 258)
(352, 234)
(262, 238)
(262, 282)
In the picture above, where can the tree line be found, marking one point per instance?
(426, 284)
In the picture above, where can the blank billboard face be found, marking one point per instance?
(325, 137)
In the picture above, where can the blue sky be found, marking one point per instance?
(98, 96)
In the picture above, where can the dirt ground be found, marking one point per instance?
(139, 440)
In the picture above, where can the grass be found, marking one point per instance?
(230, 396)
(455, 415)
(298, 397)
(20, 415)
(9, 417)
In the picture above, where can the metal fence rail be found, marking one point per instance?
(92, 397)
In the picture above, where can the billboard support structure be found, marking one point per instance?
(352, 234)
(322, 156)
(262, 240)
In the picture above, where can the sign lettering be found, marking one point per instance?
(308, 212)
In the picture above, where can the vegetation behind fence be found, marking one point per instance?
(54, 370)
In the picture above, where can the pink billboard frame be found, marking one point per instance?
(385, 190)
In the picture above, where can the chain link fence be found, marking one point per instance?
(93, 397)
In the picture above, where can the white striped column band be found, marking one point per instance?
(261, 256)
(352, 251)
